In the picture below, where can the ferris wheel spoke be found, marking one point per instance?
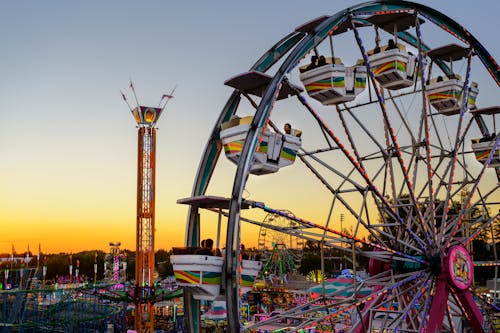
(403, 118)
(411, 307)
(425, 130)
(449, 317)
(458, 140)
(382, 294)
(362, 126)
(345, 178)
(456, 223)
(345, 203)
(320, 227)
(362, 172)
(393, 139)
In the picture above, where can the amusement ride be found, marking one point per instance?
(280, 252)
(393, 132)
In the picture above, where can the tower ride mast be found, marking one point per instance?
(146, 118)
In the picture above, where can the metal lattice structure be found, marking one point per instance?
(144, 291)
(145, 262)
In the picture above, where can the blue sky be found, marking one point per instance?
(67, 140)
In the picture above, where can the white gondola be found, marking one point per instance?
(201, 274)
(334, 83)
(275, 150)
(446, 96)
(482, 149)
(393, 68)
(249, 271)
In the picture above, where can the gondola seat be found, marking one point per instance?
(249, 271)
(482, 149)
(201, 274)
(393, 68)
(446, 95)
(334, 83)
(274, 151)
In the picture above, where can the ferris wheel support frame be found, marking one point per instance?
(303, 44)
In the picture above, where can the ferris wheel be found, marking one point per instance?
(280, 250)
(391, 127)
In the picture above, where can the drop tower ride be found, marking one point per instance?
(144, 290)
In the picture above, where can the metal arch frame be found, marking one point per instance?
(211, 154)
(265, 106)
(303, 44)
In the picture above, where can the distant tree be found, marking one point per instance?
(57, 265)
(311, 246)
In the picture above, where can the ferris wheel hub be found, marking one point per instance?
(435, 264)
(459, 267)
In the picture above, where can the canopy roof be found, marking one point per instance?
(450, 52)
(255, 83)
(490, 110)
(210, 201)
(398, 21)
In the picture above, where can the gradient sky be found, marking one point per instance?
(67, 140)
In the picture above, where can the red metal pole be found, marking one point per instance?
(145, 256)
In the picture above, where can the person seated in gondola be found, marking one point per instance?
(206, 247)
(487, 138)
(209, 244)
(321, 61)
(287, 128)
(244, 254)
(314, 63)
(391, 45)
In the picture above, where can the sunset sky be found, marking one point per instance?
(68, 143)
